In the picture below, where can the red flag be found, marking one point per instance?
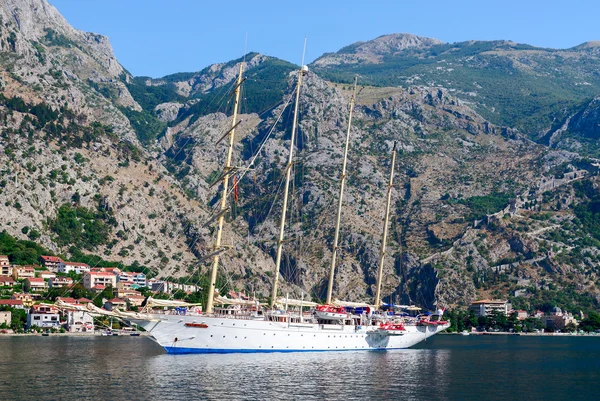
(235, 188)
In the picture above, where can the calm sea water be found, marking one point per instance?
(443, 368)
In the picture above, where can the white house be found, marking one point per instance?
(76, 267)
(58, 282)
(52, 263)
(93, 279)
(79, 322)
(44, 316)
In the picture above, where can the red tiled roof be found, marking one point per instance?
(77, 264)
(116, 300)
(6, 279)
(58, 278)
(84, 300)
(11, 302)
(70, 301)
(98, 287)
(35, 280)
(51, 259)
(102, 274)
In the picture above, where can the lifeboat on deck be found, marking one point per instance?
(392, 329)
(330, 312)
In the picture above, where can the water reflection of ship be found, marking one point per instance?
(244, 326)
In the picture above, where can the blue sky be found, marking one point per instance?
(159, 37)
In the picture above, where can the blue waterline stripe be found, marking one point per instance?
(180, 350)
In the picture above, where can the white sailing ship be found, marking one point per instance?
(288, 325)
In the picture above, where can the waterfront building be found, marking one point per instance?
(52, 263)
(558, 320)
(93, 279)
(35, 284)
(5, 318)
(79, 322)
(45, 316)
(5, 269)
(487, 306)
(23, 272)
(59, 282)
(79, 268)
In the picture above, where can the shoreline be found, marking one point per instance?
(94, 334)
(507, 333)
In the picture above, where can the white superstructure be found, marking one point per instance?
(179, 334)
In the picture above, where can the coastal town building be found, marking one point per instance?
(161, 286)
(45, 316)
(522, 315)
(487, 306)
(73, 301)
(139, 279)
(115, 303)
(23, 272)
(557, 319)
(135, 300)
(26, 298)
(79, 322)
(113, 270)
(5, 318)
(52, 263)
(35, 284)
(6, 281)
(126, 292)
(45, 274)
(93, 279)
(13, 303)
(78, 268)
(5, 269)
(59, 282)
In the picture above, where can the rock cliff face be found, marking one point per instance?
(65, 144)
(478, 209)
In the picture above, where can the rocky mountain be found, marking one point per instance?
(508, 83)
(492, 196)
(71, 162)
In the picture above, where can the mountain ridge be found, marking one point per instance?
(471, 194)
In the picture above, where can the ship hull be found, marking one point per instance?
(226, 335)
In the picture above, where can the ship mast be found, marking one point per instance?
(339, 210)
(288, 173)
(222, 212)
(385, 230)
